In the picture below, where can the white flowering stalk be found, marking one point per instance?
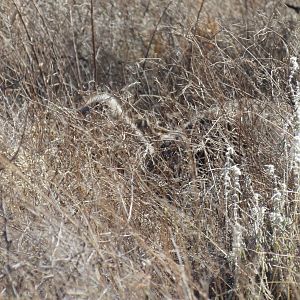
(232, 193)
(258, 232)
(286, 223)
(227, 183)
(258, 213)
(278, 217)
(237, 239)
(281, 227)
(295, 91)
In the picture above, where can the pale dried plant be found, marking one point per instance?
(157, 186)
(232, 191)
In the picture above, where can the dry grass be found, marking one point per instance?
(147, 150)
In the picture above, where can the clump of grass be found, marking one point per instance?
(177, 178)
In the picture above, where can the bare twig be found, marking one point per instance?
(154, 33)
(93, 45)
(198, 15)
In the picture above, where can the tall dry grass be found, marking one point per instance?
(149, 150)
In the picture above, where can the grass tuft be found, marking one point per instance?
(149, 150)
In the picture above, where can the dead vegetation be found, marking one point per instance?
(147, 150)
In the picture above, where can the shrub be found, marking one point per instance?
(149, 150)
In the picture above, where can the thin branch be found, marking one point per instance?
(154, 33)
(93, 44)
(31, 44)
(198, 16)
